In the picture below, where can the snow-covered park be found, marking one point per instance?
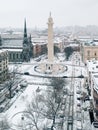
(15, 114)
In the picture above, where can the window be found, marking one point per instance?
(96, 102)
(10, 56)
(17, 55)
(95, 54)
(88, 53)
(13, 56)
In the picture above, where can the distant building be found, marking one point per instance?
(59, 43)
(89, 51)
(39, 46)
(20, 49)
(3, 65)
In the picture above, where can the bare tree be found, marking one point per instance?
(11, 81)
(45, 105)
(35, 112)
(55, 97)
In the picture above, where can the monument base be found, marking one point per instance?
(50, 68)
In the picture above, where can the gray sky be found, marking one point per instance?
(64, 12)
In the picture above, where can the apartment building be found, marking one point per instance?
(3, 65)
(39, 46)
(89, 50)
(94, 93)
(92, 67)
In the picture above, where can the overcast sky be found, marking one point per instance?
(36, 12)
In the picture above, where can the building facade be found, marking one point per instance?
(20, 49)
(89, 50)
(92, 68)
(89, 53)
(39, 46)
(94, 93)
(3, 65)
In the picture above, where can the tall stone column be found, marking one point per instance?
(50, 39)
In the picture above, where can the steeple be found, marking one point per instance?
(25, 38)
(25, 29)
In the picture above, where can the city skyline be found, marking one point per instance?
(64, 13)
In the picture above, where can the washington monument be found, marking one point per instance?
(50, 39)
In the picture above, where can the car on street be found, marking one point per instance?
(78, 98)
(70, 120)
(26, 73)
(78, 91)
(2, 108)
(23, 84)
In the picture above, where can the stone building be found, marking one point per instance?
(3, 65)
(89, 51)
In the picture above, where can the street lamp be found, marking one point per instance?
(22, 119)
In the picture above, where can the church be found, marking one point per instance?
(19, 49)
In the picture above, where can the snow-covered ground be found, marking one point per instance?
(14, 113)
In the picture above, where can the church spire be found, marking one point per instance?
(25, 29)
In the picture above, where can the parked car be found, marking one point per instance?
(70, 120)
(95, 124)
(78, 104)
(26, 73)
(2, 108)
(78, 91)
(23, 84)
(87, 98)
(78, 98)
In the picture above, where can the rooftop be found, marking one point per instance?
(92, 65)
(95, 79)
(1, 50)
(12, 43)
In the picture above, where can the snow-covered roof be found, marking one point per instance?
(2, 50)
(57, 40)
(92, 66)
(12, 43)
(95, 79)
(13, 50)
(39, 41)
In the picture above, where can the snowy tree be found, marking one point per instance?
(45, 105)
(12, 81)
(68, 52)
(35, 112)
(55, 97)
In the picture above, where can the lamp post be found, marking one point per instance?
(22, 119)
